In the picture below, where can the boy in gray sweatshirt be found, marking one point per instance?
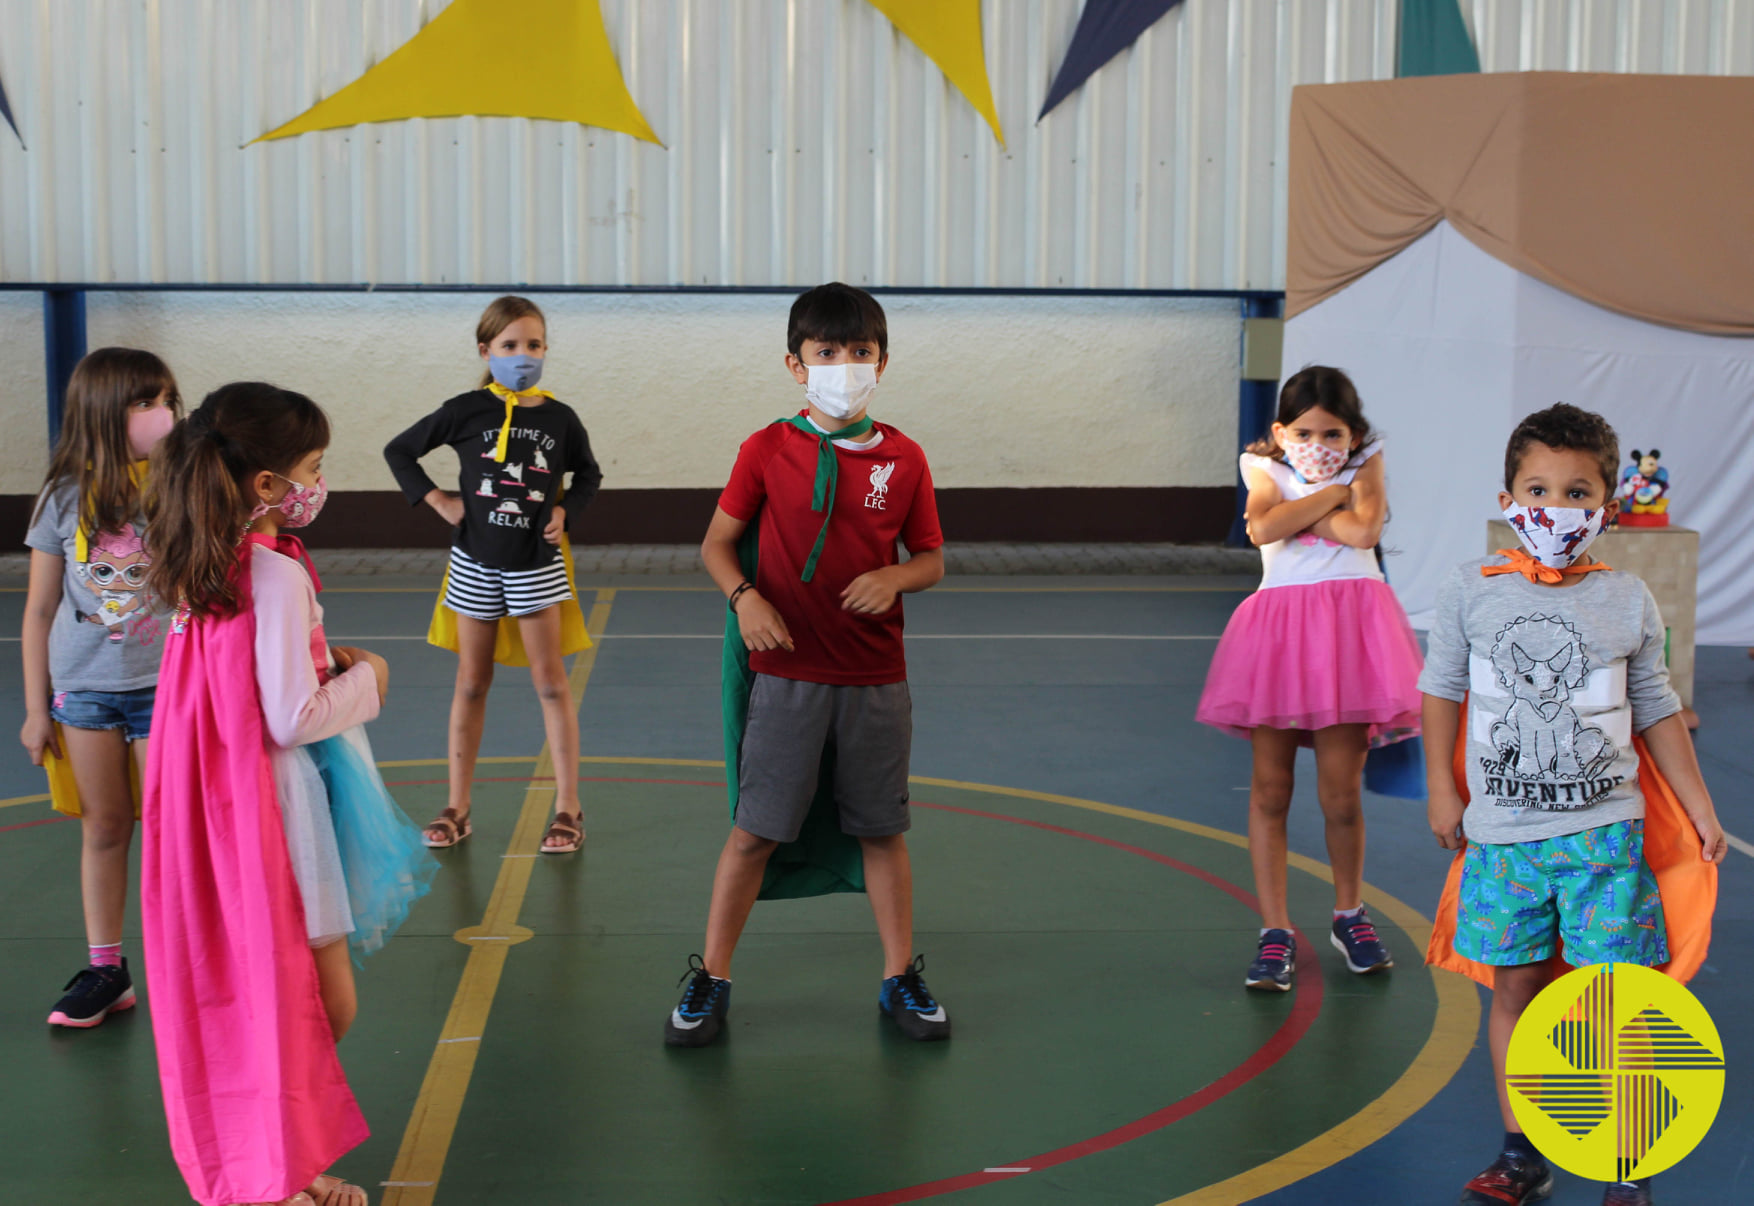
(1560, 661)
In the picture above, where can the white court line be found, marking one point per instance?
(1745, 847)
(912, 636)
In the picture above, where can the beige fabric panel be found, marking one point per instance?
(1634, 192)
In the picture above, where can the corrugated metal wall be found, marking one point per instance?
(805, 140)
(1671, 37)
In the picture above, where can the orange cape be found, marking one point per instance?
(1688, 883)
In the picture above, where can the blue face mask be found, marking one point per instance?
(515, 372)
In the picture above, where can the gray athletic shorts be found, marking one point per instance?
(790, 722)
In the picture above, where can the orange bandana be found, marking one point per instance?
(1534, 571)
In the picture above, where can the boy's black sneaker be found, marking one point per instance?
(908, 1002)
(1512, 1179)
(1627, 1193)
(1355, 937)
(92, 995)
(1274, 962)
(697, 1020)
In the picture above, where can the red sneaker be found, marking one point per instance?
(1511, 1179)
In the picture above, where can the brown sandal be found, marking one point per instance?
(568, 825)
(455, 825)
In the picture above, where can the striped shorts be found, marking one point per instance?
(484, 593)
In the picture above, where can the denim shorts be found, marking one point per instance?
(130, 711)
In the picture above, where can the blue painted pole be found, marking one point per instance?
(1254, 414)
(63, 347)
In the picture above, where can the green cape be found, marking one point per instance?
(823, 859)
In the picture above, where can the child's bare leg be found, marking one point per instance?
(736, 884)
(335, 984)
(1269, 802)
(475, 639)
(560, 720)
(1340, 752)
(889, 882)
(1512, 990)
(106, 796)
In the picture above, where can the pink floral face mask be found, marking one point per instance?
(300, 506)
(1315, 461)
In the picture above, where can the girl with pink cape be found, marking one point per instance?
(246, 888)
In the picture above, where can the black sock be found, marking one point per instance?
(1517, 1144)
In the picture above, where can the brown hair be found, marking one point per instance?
(501, 313)
(1317, 385)
(196, 503)
(92, 452)
(1565, 426)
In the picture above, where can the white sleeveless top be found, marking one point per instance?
(1305, 558)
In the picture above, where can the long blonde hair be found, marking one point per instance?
(501, 313)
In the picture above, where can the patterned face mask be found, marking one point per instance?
(1314, 461)
(1556, 536)
(300, 505)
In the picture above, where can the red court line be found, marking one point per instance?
(30, 824)
(1304, 1009)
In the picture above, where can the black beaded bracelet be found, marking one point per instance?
(737, 594)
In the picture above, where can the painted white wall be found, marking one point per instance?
(1001, 391)
(24, 453)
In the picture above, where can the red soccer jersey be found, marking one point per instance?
(884, 494)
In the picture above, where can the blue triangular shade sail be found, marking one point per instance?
(1434, 40)
(6, 112)
(1105, 28)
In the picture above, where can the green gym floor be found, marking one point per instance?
(1083, 903)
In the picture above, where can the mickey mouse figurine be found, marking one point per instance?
(1644, 490)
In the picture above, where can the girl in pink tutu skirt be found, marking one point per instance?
(1320, 655)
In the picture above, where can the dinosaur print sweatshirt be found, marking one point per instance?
(1557, 680)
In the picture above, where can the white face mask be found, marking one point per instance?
(840, 391)
(1556, 536)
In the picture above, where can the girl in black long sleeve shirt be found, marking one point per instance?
(517, 446)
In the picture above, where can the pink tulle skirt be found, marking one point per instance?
(1309, 656)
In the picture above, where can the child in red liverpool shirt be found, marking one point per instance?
(819, 720)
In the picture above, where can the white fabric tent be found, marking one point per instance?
(1449, 347)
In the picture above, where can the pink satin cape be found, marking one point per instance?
(254, 1094)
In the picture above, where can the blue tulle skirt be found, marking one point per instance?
(384, 858)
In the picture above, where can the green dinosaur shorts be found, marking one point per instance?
(1591, 893)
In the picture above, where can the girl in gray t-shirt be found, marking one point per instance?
(91, 642)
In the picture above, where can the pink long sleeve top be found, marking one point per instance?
(303, 699)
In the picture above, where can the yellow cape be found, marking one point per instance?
(64, 791)
(508, 645)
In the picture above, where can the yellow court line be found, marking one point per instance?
(425, 1144)
(44, 799)
(427, 1140)
(1453, 1030)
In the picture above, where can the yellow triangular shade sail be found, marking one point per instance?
(455, 67)
(949, 33)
